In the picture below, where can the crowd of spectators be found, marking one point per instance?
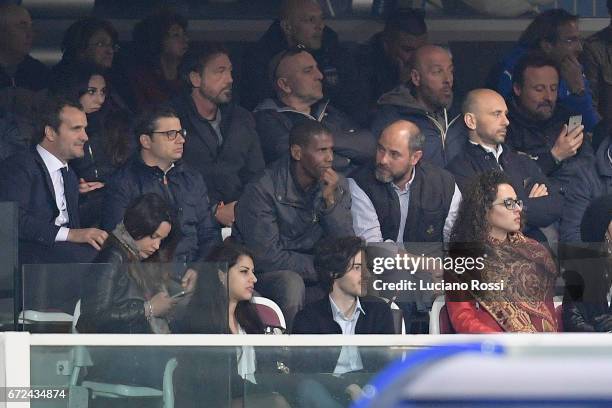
(321, 150)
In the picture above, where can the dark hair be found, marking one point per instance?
(210, 299)
(142, 218)
(609, 5)
(333, 257)
(147, 121)
(73, 82)
(144, 215)
(303, 132)
(545, 27)
(50, 112)
(77, 36)
(471, 226)
(149, 34)
(534, 59)
(410, 21)
(198, 57)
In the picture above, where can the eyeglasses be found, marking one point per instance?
(511, 204)
(101, 44)
(173, 134)
(570, 41)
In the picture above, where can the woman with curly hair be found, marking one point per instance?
(161, 42)
(488, 229)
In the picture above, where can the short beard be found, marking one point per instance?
(218, 99)
(383, 177)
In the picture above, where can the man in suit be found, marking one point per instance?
(47, 191)
(340, 264)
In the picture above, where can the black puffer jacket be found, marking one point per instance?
(185, 192)
(281, 224)
(111, 301)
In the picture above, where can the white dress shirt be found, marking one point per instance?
(349, 359)
(54, 167)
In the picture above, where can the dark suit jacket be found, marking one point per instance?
(317, 318)
(24, 178)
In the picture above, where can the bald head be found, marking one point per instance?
(15, 32)
(400, 147)
(432, 77)
(485, 114)
(302, 23)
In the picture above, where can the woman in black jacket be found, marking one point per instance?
(586, 307)
(131, 292)
(109, 144)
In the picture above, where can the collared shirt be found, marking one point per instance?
(349, 359)
(54, 167)
(496, 152)
(246, 360)
(365, 220)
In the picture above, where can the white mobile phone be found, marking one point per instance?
(574, 122)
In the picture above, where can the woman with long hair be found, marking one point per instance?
(109, 144)
(131, 293)
(488, 230)
(222, 304)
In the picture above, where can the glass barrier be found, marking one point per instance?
(275, 371)
(8, 265)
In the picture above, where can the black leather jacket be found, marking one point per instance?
(111, 300)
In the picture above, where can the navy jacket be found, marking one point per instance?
(185, 192)
(445, 133)
(523, 174)
(31, 74)
(317, 318)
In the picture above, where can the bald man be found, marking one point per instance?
(17, 68)
(299, 97)
(485, 115)
(426, 102)
(402, 198)
(301, 23)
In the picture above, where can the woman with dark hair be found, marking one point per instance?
(221, 304)
(93, 41)
(108, 128)
(162, 42)
(586, 301)
(132, 293)
(488, 230)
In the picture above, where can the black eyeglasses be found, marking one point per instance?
(511, 204)
(173, 134)
(102, 44)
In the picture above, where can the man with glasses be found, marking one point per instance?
(486, 116)
(555, 33)
(298, 84)
(157, 168)
(222, 143)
